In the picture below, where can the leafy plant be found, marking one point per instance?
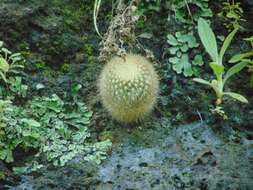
(209, 41)
(17, 87)
(9, 62)
(57, 130)
(232, 13)
(148, 5)
(13, 133)
(181, 45)
(188, 11)
(245, 57)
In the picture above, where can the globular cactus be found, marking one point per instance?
(128, 87)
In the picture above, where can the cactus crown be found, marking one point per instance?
(128, 87)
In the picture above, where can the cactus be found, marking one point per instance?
(128, 87)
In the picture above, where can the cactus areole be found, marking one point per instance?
(128, 87)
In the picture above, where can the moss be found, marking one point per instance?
(45, 70)
(2, 175)
(65, 68)
(141, 24)
(107, 135)
(88, 49)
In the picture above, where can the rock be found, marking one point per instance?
(41, 25)
(188, 157)
(15, 19)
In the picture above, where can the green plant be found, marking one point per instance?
(148, 5)
(58, 131)
(209, 41)
(11, 67)
(65, 68)
(245, 57)
(232, 13)
(45, 69)
(9, 62)
(11, 131)
(128, 87)
(242, 57)
(17, 87)
(188, 11)
(181, 45)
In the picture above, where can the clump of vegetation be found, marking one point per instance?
(189, 11)
(209, 41)
(128, 87)
(181, 44)
(245, 57)
(148, 6)
(9, 62)
(11, 68)
(55, 130)
(232, 14)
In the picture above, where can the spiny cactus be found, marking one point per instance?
(128, 87)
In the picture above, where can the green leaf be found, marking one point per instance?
(33, 123)
(188, 39)
(187, 66)
(240, 57)
(182, 65)
(6, 51)
(55, 104)
(236, 96)
(173, 50)
(174, 60)
(15, 55)
(3, 76)
(217, 69)
(179, 54)
(176, 64)
(198, 60)
(4, 66)
(6, 154)
(184, 48)
(235, 69)
(207, 38)
(226, 43)
(202, 81)
(178, 34)
(172, 40)
(40, 86)
(249, 39)
(206, 12)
